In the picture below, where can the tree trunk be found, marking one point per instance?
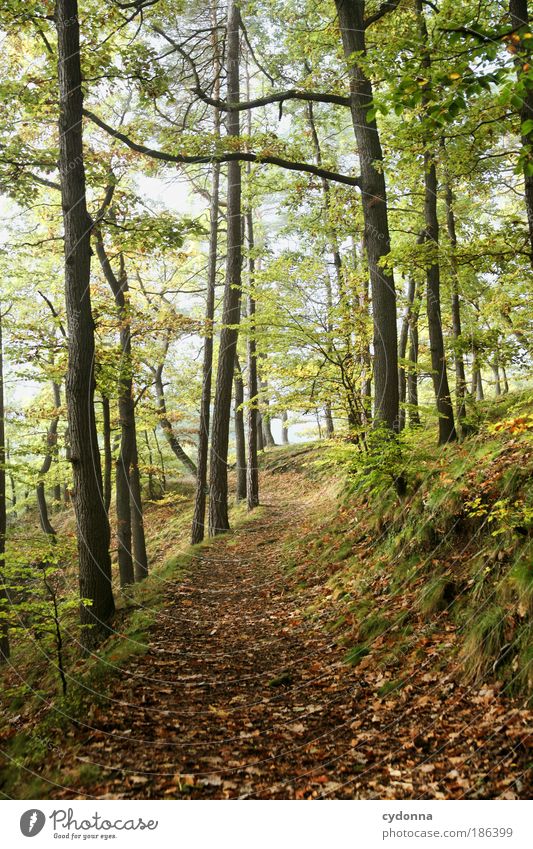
(198, 525)
(4, 599)
(91, 517)
(497, 382)
(166, 425)
(151, 489)
(460, 376)
(108, 457)
(519, 12)
(285, 428)
(252, 467)
(218, 484)
(51, 444)
(439, 371)
(198, 522)
(253, 425)
(402, 349)
(330, 427)
(132, 557)
(268, 439)
(505, 381)
(412, 376)
(140, 557)
(436, 340)
(119, 286)
(477, 382)
(240, 439)
(260, 442)
(161, 461)
(375, 213)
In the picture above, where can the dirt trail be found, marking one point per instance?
(240, 696)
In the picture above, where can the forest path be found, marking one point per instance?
(241, 696)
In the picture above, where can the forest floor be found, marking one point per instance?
(240, 693)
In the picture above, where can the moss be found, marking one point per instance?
(484, 641)
(355, 655)
(373, 626)
(437, 594)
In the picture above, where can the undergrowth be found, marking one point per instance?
(429, 540)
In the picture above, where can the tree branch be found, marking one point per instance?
(241, 156)
(277, 97)
(387, 6)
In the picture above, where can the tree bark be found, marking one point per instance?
(285, 428)
(375, 213)
(505, 381)
(240, 439)
(51, 445)
(218, 483)
(161, 461)
(402, 349)
(119, 288)
(108, 457)
(92, 522)
(460, 376)
(198, 523)
(519, 12)
(268, 438)
(436, 340)
(439, 373)
(412, 376)
(140, 557)
(4, 599)
(253, 426)
(166, 425)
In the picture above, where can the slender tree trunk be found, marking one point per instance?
(268, 438)
(151, 488)
(108, 457)
(412, 376)
(497, 381)
(140, 557)
(505, 381)
(119, 288)
(439, 371)
(240, 439)
(198, 523)
(285, 427)
(132, 557)
(460, 376)
(161, 462)
(253, 425)
(166, 425)
(402, 348)
(67, 494)
(260, 442)
(477, 381)
(51, 445)
(4, 599)
(436, 340)
(330, 427)
(519, 12)
(346, 313)
(218, 484)
(374, 202)
(11, 476)
(91, 517)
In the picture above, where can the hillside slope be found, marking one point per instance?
(374, 650)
